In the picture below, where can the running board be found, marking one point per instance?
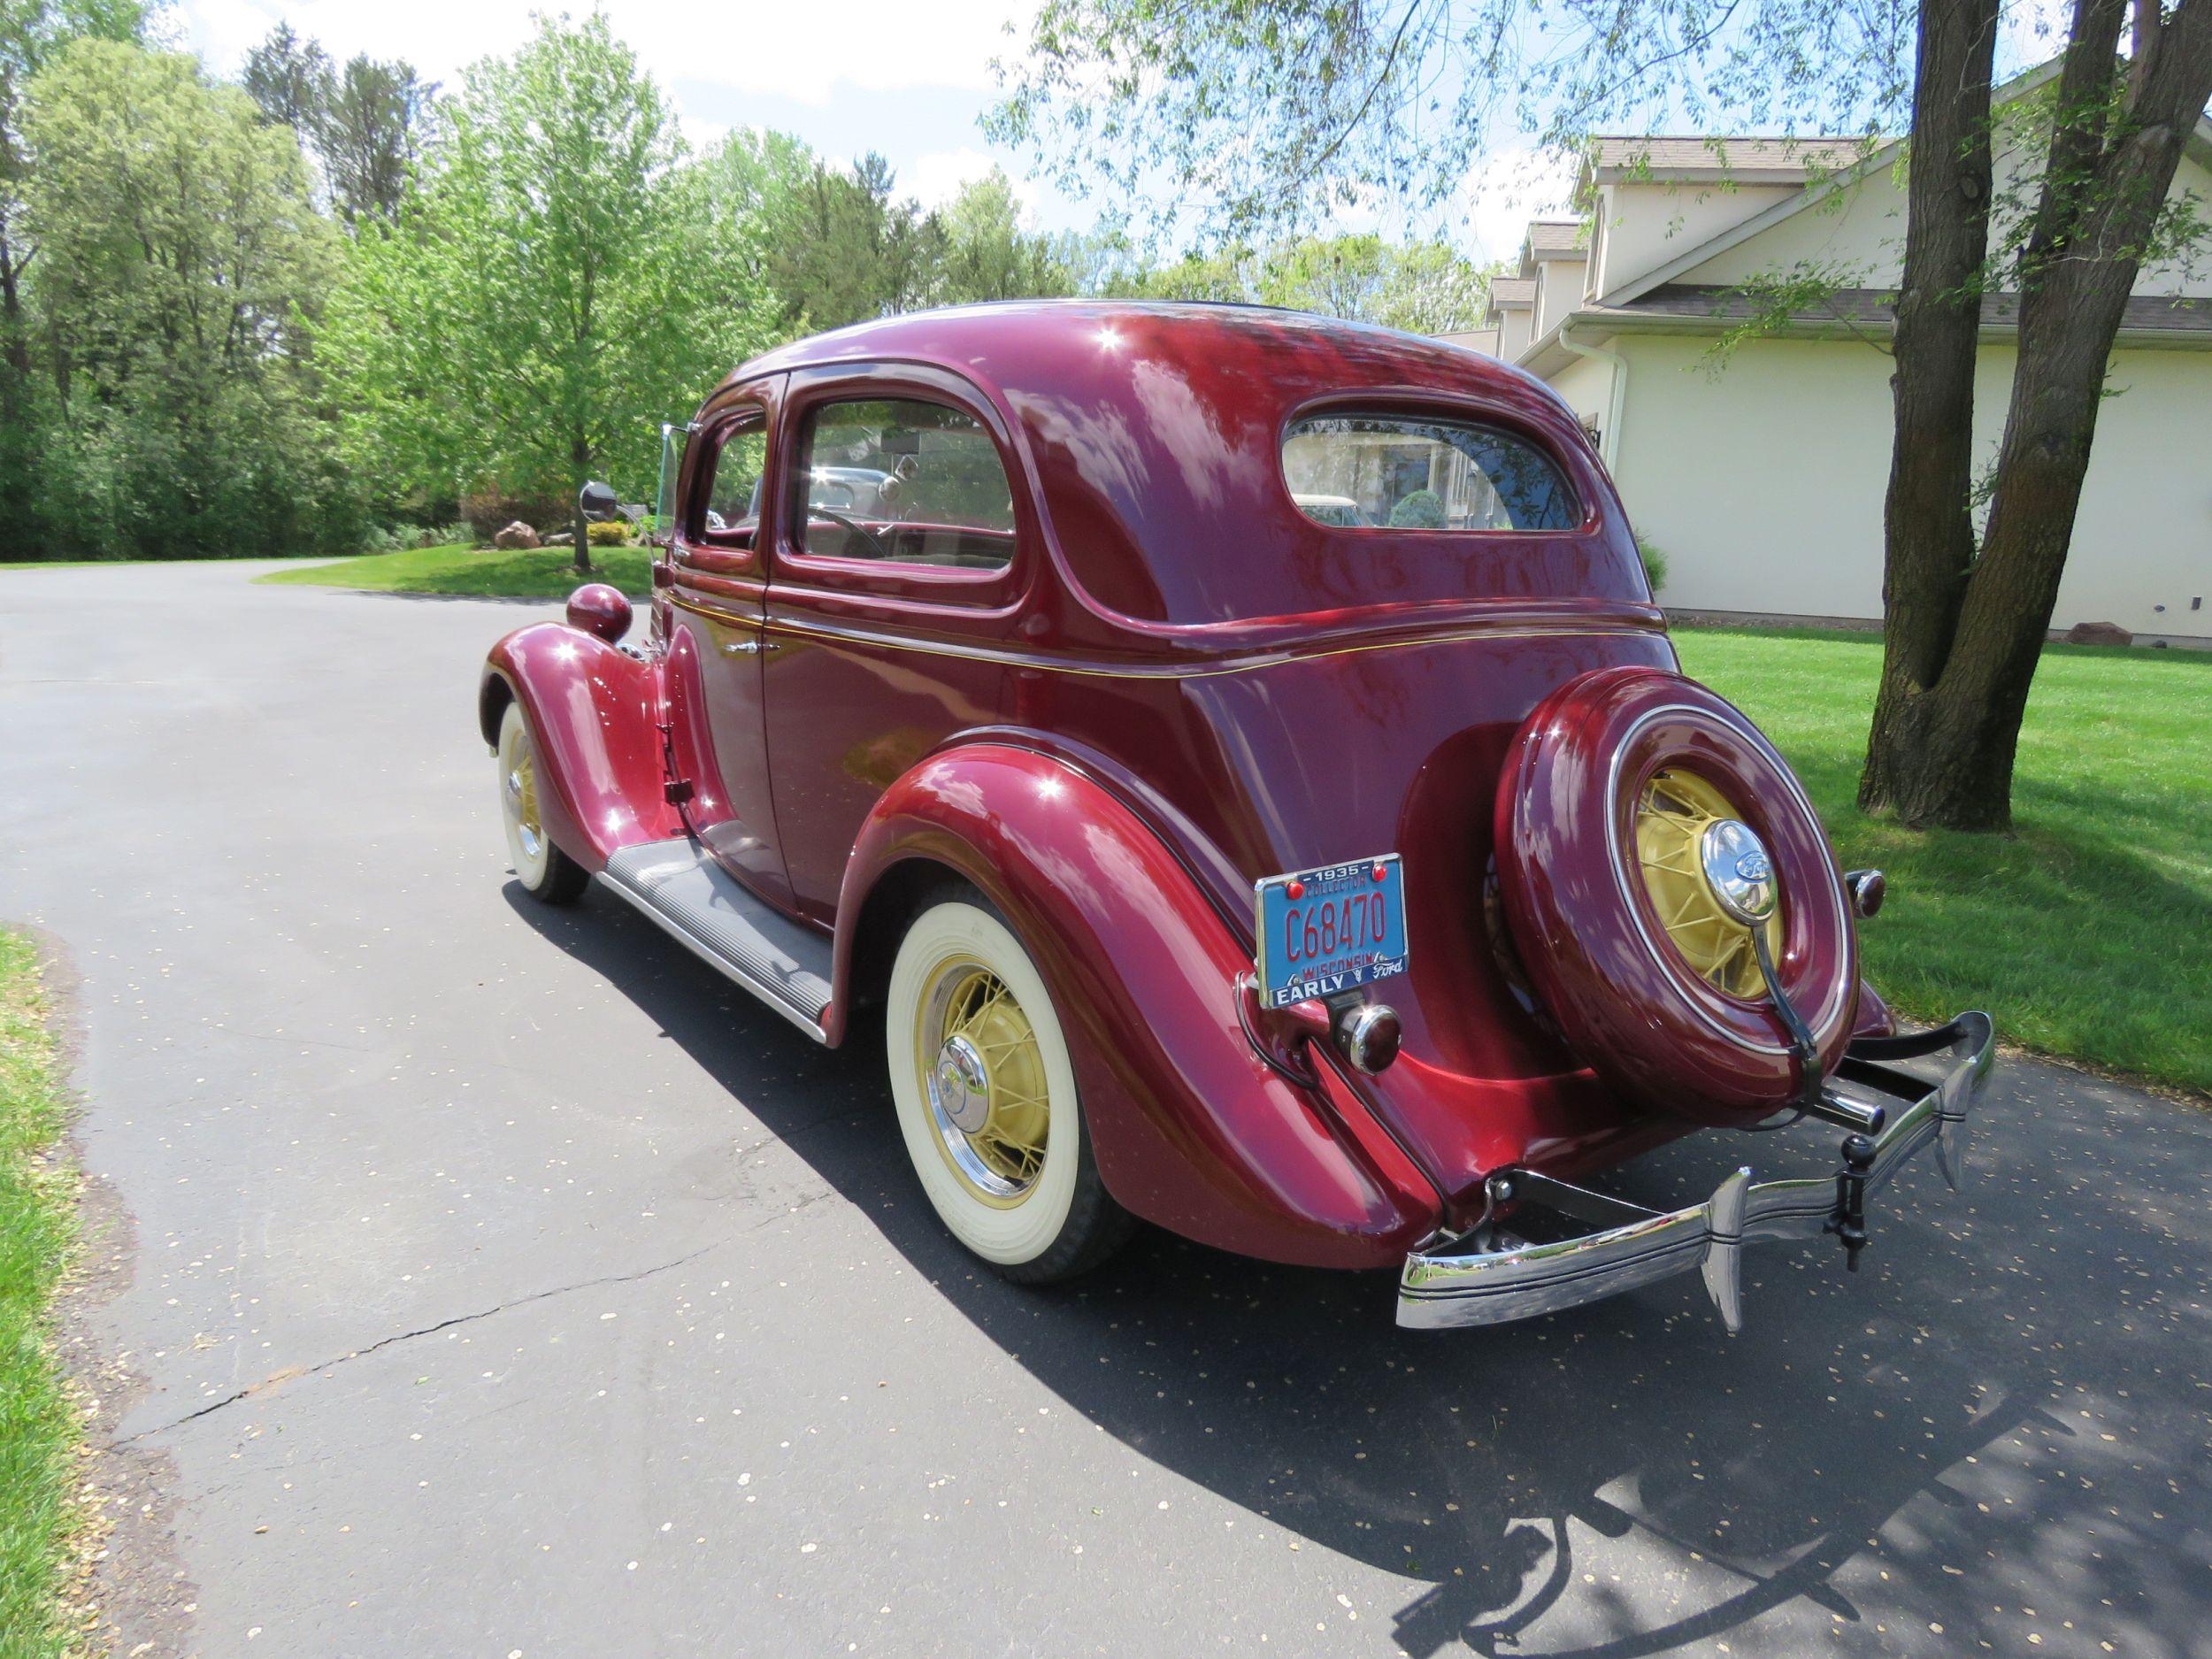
(715, 917)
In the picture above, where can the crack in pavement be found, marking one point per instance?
(294, 1372)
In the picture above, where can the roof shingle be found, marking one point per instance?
(1771, 160)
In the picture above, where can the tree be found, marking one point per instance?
(1271, 114)
(182, 272)
(289, 78)
(552, 289)
(371, 129)
(366, 124)
(987, 254)
(31, 32)
(1967, 623)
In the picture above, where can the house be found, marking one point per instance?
(1760, 469)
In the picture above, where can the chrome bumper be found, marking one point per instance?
(1442, 1289)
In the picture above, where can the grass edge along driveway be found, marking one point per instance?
(2082, 933)
(480, 572)
(39, 1424)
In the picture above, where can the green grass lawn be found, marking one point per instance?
(541, 573)
(37, 1425)
(2088, 932)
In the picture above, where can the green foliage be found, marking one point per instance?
(1273, 117)
(366, 124)
(37, 1424)
(1655, 559)
(557, 281)
(613, 532)
(177, 295)
(1423, 509)
(1425, 286)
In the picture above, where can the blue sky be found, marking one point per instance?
(907, 78)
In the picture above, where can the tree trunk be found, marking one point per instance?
(579, 464)
(1927, 517)
(1954, 685)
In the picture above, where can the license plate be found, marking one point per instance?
(1327, 930)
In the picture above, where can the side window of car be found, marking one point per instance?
(1422, 472)
(731, 513)
(903, 480)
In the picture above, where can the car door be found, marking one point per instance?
(712, 595)
(900, 556)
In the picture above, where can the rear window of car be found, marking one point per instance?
(1408, 471)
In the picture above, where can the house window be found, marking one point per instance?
(1422, 472)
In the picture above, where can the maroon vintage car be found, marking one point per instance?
(1235, 760)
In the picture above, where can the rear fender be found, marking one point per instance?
(594, 714)
(1192, 1131)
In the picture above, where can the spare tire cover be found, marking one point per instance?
(1584, 921)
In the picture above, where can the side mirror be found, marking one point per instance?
(598, 502)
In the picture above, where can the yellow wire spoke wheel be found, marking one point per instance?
(985, 1087)
(976, 1060)
(1672, 814)
(518, 797)
(546, 873)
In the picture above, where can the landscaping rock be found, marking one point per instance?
(2099, 633)
(517, 534)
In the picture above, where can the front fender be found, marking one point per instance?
(593, 715)
(1192, 1131)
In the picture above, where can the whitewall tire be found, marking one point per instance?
(545, 873)
(986, 1099)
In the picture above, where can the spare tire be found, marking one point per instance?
(1602, 807)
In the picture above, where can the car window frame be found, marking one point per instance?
(1460, 412)
(791, 561)
(694, 547)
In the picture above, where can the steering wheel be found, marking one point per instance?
(882, 548)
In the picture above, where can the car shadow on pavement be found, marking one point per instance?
(1994, 1429)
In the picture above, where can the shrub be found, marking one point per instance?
(490, 509)
(454, 535)
(614, 533)
(1423, 510)
(1655, 563)
(377, 538)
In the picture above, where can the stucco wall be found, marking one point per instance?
(1859, 235)
(1647, 225)
(1764, 486)
(1558, 291)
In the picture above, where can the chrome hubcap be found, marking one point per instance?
(964, 1085)
(1736, 867)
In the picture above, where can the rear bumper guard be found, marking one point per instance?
(1449, 1285)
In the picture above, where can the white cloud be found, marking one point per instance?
(936, 178)
(1506, 188)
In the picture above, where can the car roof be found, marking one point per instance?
(1155, 429)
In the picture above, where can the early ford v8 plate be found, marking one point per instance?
(1327, 930)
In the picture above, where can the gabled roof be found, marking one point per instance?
(1558, 239)
(1662, 158)
(1816, 191)
(1507, 292)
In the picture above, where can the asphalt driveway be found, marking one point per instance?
(493, 1281)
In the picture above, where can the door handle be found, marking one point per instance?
(747, 648)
